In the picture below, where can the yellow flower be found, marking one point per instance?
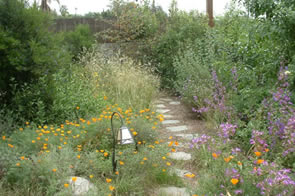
(215, 155)
(164, 158)
(163, 170)
(54, 170)
(258, 154)
(117, 173)
(3, 137)
(66, 185)
(145, 159)
(108, 180)
(77, 107)
(27, 123)
(10, 145)
(38, 138)
(141, 162)
(111, 188)
(170, 138)
(134, 133)
(227, 159)
(121, 162)
(33, 141)
(105, 97)
(168, 163)
(22, 158)
(260, 161)
(74, 179)
(234, 181)
(78, 156)
(91, 176)
(240, 163)
(17, 164)
(266, 150)
(105, 154)
(190, 175)
(21, 129)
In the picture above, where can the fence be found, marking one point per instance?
(69, 24)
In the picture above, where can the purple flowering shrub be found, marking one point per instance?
(231, 171)
(215, 107)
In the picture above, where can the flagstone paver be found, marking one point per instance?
(166, 99)
(167, 116)
(174, 103)
(160, 106)
(162, 111)
(177, 128)
(174, 191)
(180, 156)
(167, 122)
(187, 136)
(181, 172)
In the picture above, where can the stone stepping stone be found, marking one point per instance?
(173, 191)
(187, 136)
(80, 187)
(166, 99)
(158, 102)
(181, 156)
(174, 103)
(162, 111)
(160, 106)
(181, 172)
(177, 128)
(168, 116)
(167, 122)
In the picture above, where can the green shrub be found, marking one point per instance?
(27, 49)
(79, 39)
(183, 29)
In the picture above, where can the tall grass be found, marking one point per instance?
(121, 79)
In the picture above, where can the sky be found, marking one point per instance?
(84, 6)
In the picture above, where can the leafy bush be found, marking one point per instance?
(132, 22)
(78, 39)
(183, 29)
(27, 49)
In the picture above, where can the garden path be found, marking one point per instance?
(178, 129)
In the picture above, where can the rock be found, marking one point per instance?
(160, 106)
(162, 111)
(81, 186)
(167, 116)
(177, 128)
(181, 172)
(173, 191)
(181, 156)
(174, 103)
(166, 99)
(166, 122)
(187, 136)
